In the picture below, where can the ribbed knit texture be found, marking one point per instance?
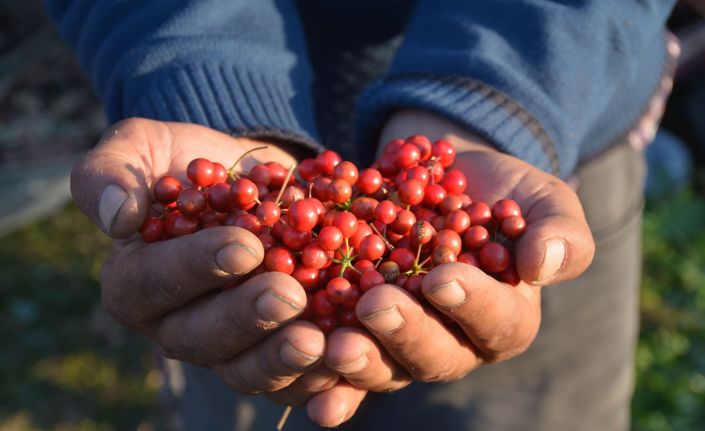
(234, 65)
(551, 82)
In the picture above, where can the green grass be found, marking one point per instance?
(66, 366)
(670, 391)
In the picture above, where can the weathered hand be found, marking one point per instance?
(495, 321)
(170, 290)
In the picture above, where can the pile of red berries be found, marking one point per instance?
(340, 232)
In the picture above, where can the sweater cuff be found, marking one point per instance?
(220, 96)
(479, 107)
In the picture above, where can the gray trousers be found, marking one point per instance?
(577, 375)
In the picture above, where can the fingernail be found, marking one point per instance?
(111, 201)
(274, 308)
(236, 258)
(294, 358)
(448, 294)
(355, 366)
(386, 320)
(554, 254)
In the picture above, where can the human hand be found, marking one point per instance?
(495, 321)
(170, 291)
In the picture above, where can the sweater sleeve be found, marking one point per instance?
(235, 65)
(551, 82)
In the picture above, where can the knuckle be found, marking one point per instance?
(238, 381)
(443, 372)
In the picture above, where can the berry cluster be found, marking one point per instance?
(339, 232)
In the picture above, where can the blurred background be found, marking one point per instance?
(65, 365)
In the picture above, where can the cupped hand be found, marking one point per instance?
(171, 290)
(493, 321)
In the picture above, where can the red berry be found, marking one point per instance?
(307, 169)
(352, 299)
(469, 259)
(346, 171)
(433, 195)
(372, 247)
(413, 286)
(303, 215)
(509, 275)
(295, 239)
(422, 143)
(385, 212)
(167, 189)
(363, 230)
(338, 290)
(327, 324)
(330, 238)
(349, 318)
(504, 208)
(346, 222)
(407, 156)
(370, 279)
(268, 213)
(183, 225)
(307, 277)
(444, 151)
(220, 174)
(404, 257)
(480, 213)
(249, 222)
(320, 188)
(454, 181)
(513, 226)
(494, 257)
(389, 270)
(326, 162)
(321, 305)
(292, 194)
(152, 229)
(277, 173)
(314, 256)
(450, 203)
(191, 202)
(443, 254)
(261, 174)
(279, 259)
(364, 265)
(370, 181)
(243, 193)
(393, 146)
(448, 238)
(420, 174)
(267, 240)
(421, 233)
(458, 221)
(403, 222)
(339, 191)
(476, 237)
(364, 208)
(219, 197)
(411, 192)
(200, 172)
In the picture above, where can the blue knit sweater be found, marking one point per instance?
(551, 82)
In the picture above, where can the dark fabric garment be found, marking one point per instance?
(551, 82)
(577, 375)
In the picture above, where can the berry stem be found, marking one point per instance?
(286, 182)
(387, 243)
(231, 170)
(284, 417)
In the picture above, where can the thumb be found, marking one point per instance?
(557, 244)
(111, 182)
